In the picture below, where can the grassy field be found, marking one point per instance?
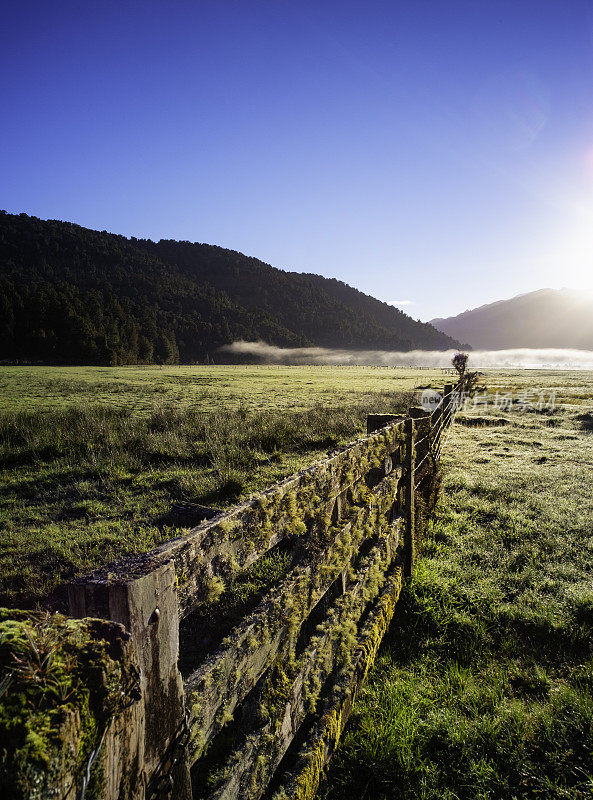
(144, 389)
(484, 685)
(92, 459)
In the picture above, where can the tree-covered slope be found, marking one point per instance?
(72, 295)
(384, 315)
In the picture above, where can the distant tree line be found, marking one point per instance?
(70, 295)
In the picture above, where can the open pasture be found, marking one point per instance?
(201, 388)
(210, 388)
(93, 458)
(484, 685)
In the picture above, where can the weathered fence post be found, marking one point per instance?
(409, 516)
(423, 430)
(147, 607)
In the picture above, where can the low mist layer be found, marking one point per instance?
(518, 358)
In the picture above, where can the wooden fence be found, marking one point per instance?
(259, 709)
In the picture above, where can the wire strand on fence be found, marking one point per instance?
(417, 484)
(448, 413)
(450, 419)
(419, 441)
(444, 442)
(89, 766)
(445, 420)
(417, 467)
(439, 433)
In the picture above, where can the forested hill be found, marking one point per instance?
(71, 295)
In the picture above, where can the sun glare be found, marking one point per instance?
(574, 252)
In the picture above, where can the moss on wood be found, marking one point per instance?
(240, 536)
(302, 782)
(293, 686)
(62, 682)
(271, 631)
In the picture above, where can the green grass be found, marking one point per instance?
(86, 482)
(92, 458)
(484, 685)
(142, 389)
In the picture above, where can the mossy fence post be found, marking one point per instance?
(146, 605)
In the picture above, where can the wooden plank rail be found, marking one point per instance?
(329, 650)
(235, 539)
(301, 782)
(271, 630)
(290, 667)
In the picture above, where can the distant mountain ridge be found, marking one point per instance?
(69, 294)
(546, 318)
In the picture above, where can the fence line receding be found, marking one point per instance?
(258, 712)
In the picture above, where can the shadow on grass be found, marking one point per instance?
(461, 706)
(481, 422)
(586, 421)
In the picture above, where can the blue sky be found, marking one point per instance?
(439, 153)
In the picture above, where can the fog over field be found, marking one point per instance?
(521, 358)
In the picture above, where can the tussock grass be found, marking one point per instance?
(83, 486)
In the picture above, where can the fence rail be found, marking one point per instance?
(269, 702)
